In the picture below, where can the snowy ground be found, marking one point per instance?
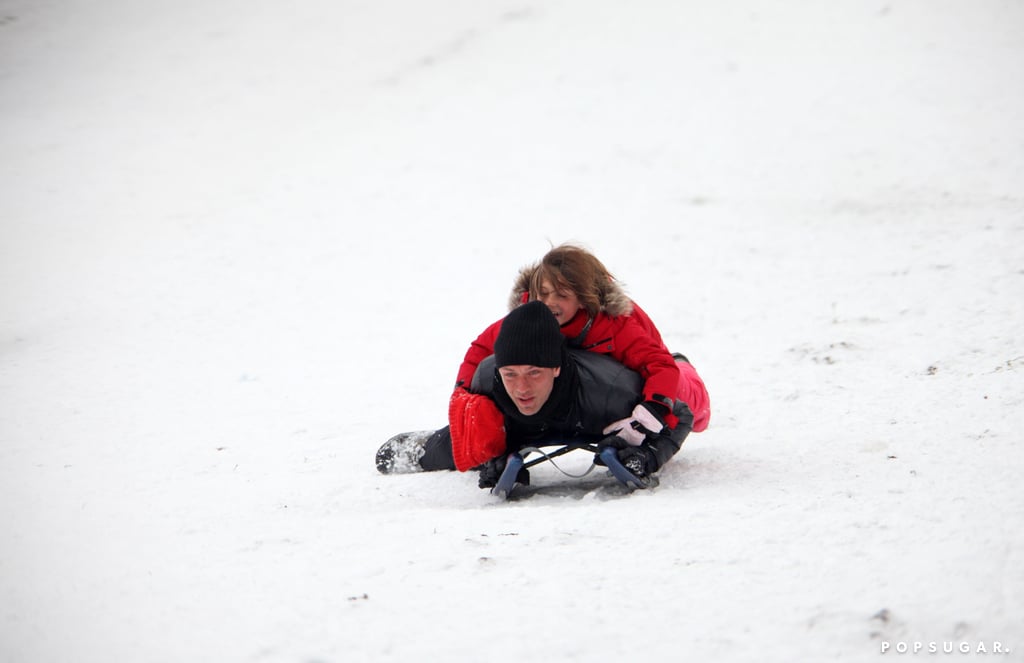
(242, 243)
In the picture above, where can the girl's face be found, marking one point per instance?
(563, 303)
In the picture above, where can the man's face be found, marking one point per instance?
(529, 386)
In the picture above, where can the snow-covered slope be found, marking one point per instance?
(243, 243)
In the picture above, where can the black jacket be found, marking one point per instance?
(591, 392)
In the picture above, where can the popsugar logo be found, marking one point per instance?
(946, 647)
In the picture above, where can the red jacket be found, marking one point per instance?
(621, 330)
(630, 339)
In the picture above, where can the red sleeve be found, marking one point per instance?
(480, 349)
(477, 427)
(625, 340)
(645, 321)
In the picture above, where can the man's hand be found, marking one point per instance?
(638, 459)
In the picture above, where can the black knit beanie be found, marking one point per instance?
(530, 336)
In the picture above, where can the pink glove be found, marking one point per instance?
(635, 428)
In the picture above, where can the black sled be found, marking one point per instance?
(517, 461)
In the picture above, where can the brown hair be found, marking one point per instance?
(570, 267)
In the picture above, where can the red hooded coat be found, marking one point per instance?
(621, 330)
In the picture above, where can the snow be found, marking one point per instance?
(243, 243)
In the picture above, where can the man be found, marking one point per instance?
(534, 389)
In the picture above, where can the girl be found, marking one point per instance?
(595, 314)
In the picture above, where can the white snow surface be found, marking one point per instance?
(243, 243)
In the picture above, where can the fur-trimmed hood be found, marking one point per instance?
(615, 300)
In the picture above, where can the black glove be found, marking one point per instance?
(640, 460)
(491, 471)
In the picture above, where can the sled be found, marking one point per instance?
(517, 461)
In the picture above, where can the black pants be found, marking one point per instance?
(438, 454)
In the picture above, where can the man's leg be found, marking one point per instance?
(438, 452)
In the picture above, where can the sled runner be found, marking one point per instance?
(401, 455)
(517, 461)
